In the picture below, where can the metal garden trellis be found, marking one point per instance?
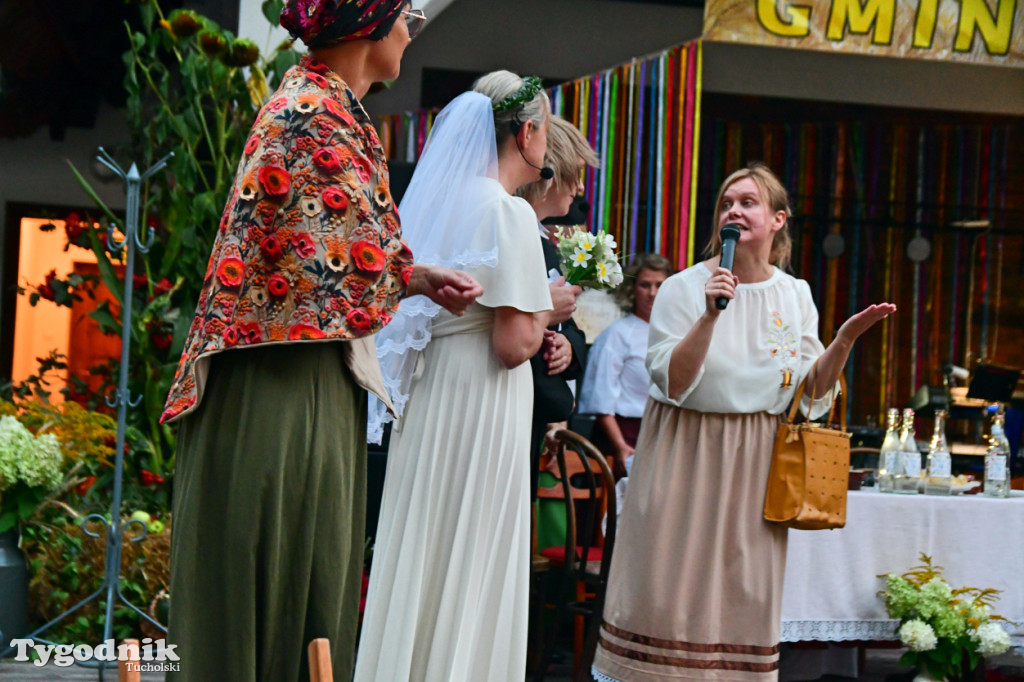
(115, 528)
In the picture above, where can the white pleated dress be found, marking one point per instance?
(449, 588)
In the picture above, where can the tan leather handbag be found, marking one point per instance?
(810, 470)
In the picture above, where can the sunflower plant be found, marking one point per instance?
(193, 90)
(946, 631)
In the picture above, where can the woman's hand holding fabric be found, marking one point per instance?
(452, 290)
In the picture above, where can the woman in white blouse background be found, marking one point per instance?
(695, 590)
(616, 383)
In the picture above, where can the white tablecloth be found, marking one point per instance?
(831, 589)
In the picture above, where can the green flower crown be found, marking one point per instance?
(531, 86)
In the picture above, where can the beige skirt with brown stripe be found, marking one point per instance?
(695, 590)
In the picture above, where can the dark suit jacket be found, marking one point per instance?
(552, 398)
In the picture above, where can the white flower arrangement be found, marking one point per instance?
(947, 631)
(589, 260)
(30, 466)
(991, 639)
(917, 635)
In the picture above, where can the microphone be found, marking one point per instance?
(730, 234)
(546, 173)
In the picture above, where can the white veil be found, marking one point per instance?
(445, 191)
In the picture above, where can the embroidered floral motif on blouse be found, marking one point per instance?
(784, 346)
(309, 245)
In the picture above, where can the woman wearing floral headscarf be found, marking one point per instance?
(309, 262)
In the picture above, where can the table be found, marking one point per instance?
(831, 588)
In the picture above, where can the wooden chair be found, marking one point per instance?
(125, 671)
(587, 488)
(320, 668)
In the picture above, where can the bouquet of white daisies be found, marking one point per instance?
(589, 260)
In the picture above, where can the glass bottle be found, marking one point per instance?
(939, 480)
(889, 456)
(997, 458)
(910, 458)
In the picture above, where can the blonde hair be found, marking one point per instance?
(772, 193)
(566, 146)
(625, 295)
(501, 84)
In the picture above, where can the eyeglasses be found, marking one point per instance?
(414, 19)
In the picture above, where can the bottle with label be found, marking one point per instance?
(910, 457)
(940, 475)
(997, 458)
(889, 456)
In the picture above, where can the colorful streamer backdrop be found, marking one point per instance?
(643, 118)
(879, 184)
(875, 177)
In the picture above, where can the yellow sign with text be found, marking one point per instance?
(979, 31)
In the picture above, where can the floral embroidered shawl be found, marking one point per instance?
(310, 245)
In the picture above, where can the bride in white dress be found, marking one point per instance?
(449, 587)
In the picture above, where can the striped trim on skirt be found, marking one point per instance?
(695, 590)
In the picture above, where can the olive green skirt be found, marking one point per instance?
(269, 512)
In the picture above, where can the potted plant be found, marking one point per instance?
(31, 466)
(946, 631)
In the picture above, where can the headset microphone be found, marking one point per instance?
(547, 172)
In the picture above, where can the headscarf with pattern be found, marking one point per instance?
(323, 23)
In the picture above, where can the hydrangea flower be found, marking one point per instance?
(934, 598)
(901, 597)
(991, 639)
(13, 439)
(949, 623)
(917, 635)
(35, 461)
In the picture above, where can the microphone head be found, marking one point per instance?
(546, 173)
(730, 232)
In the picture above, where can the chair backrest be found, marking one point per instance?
(585, 477)
(128, 668)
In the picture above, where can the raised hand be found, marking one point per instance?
(864, 320)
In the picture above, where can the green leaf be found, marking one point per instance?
(272, 10)
(95, 197)
(26, 504)
(909, 659)
(7, 521)
(937, 670)
(107, 270)
(108, 323)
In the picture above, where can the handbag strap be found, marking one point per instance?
(831, 413)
